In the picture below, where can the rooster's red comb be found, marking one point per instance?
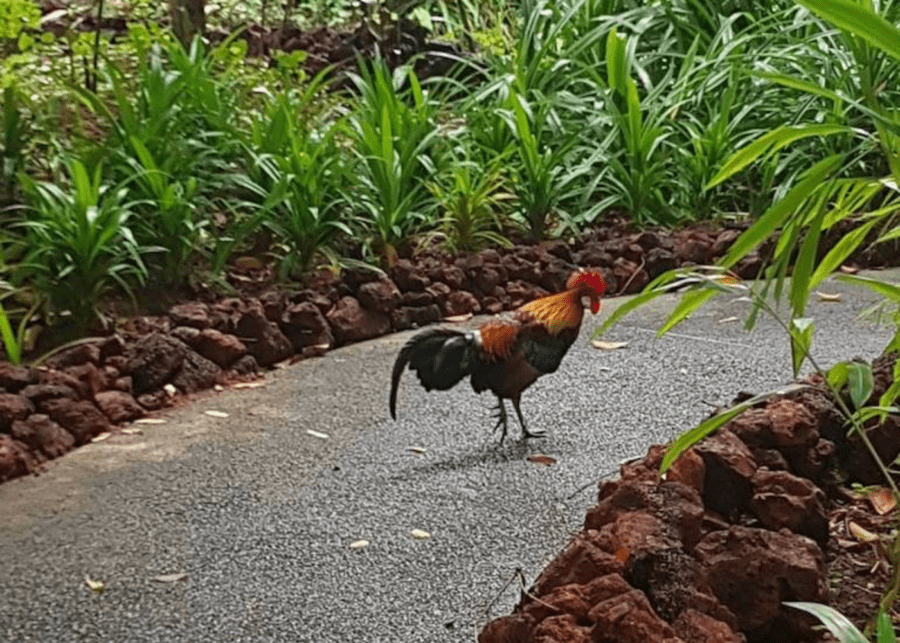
(590, 280)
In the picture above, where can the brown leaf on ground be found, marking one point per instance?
(608, 346)
(883, 501)
(169, 578)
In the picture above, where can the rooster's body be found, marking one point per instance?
(504, 356)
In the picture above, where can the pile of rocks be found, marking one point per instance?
(710, 552)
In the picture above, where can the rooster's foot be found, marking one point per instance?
(500, 414)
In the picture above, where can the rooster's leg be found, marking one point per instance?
(500, 414)
(525, 432)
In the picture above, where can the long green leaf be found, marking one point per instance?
(689, 438)
(10, 343)
(689, 303)
(804, 265)
(890, 235)
(860, 383)
(776, 215)
(836, 623)
(616, 62)
(802, 85)
(841, 250)
(628, 307)
(771, 142)
(859, 19)
(889, 291)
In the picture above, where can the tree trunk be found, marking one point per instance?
(188, 19)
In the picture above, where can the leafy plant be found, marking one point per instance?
(14, 322)
(396, 141)
(301, 193)
(169, 215)
(171, 144)
(471, 199)
(841, 627)
(77, 246)
(12, 344)
(540, 177)
(12, 143)
(638, 169)
(15, 17)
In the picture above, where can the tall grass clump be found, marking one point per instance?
(297, 180)
(172, 137)
(396, 140)
(76, 247)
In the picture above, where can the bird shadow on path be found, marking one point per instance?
(472, 457)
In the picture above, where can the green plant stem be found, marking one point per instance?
(92, 81)
(893, 589)
(890, 595)
(839, 400)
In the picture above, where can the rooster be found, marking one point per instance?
(506, 355)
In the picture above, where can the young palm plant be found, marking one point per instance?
(471, 199)
(300, 196)
(77, 246)
(395, 132)
(171, 136)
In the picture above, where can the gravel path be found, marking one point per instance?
(258, 513)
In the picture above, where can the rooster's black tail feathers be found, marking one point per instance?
(441, 358)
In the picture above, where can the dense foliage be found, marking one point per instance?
(176, 161)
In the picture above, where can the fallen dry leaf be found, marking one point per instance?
(540, 458)
(316, 434)
(861, 533)
(216, 414)
(420, 534)
(96, 586)
(883, 500)
(359, 544)
(248, 264)
(458, 318)
(169, 578)
(249, 385)
(622, 554)
(825, 296)
(100, 437)
(608, 346)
